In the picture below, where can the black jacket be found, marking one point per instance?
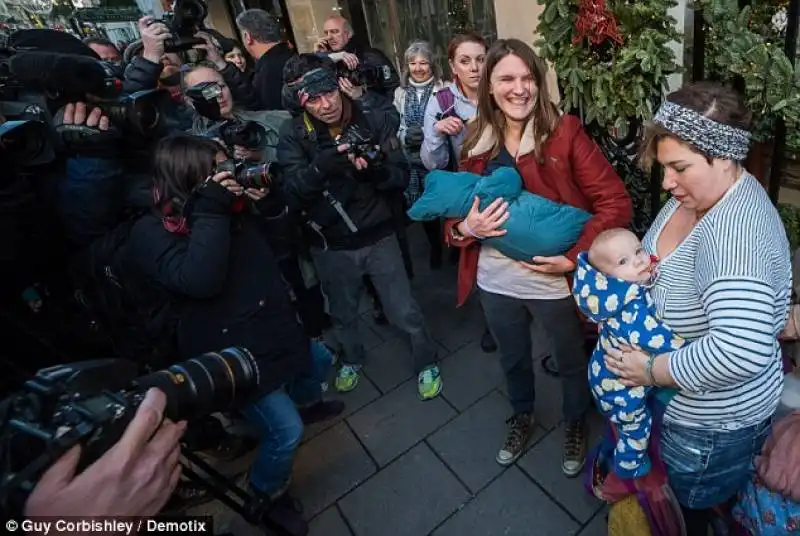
(228, 286)
(365, 196)
(260, 90)
(141, 75)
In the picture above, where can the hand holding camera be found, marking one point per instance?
(136, 477)
(154, 37)
(349, 60)
(351, 90)
(212, 50)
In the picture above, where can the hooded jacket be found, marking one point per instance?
(625, 311)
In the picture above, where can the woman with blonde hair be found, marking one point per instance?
(518, 125)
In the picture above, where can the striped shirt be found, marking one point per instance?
(726, 288)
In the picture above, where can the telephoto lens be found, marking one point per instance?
(215, 381)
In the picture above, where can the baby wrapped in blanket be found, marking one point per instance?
(536, 225)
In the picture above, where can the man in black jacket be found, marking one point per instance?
(344, 196)
(261, 36)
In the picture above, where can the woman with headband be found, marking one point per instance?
(724, 285)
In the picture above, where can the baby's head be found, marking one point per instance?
(618, 253)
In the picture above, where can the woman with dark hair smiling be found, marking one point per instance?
(518, 125)
(210, 254)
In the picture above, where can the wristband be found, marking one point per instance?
(471, 232)
(649, 371)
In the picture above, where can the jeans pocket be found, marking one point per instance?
(685, 451)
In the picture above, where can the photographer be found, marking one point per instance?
(210, 255)
(346, 197)
(143, 71)
(340, 45)
(136, 477)
(271, 120)
(280, 231)
(261, 36)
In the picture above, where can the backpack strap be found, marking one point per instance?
(446, 100)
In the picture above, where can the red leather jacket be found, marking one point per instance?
(574, 171)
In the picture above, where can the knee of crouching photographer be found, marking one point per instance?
(207, 251)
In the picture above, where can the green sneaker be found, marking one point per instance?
(347, 379)
(429, 383)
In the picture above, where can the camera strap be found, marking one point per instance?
(329, 197)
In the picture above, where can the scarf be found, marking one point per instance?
(173, 215)
(416, 100)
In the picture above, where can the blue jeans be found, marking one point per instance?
(277, 415)
(708, 467)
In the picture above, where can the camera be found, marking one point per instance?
(24, 142)
(91, 403)
(205, 100)
(247, 134)
(185, 20)
(374, 77)
(373, 71)
(361, 144)
(248, 176)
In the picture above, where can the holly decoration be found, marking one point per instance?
(743, 42)
(624, 76)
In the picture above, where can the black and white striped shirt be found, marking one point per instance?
(726, 288)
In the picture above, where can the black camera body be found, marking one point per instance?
(248, 176)
(184, 21)
(232, 132)
(376, 77)
(361, 144)
(91, 403)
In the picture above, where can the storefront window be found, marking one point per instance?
(394, 24)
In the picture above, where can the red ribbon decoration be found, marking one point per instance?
(596, 23)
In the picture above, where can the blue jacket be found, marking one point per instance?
(624, 310)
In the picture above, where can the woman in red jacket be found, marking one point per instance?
(517, 125)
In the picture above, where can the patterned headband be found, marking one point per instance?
(313, 83)
(712, 138)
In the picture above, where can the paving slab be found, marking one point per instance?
(393, 424)
(469, 444)
(543, 464)
(511, 505)
(598, 526)
(408, 498)
(389, 364)
(362, 395)
(329, 523)
(469, 374)
(327, 467)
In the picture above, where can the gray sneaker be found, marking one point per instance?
(520, 428)
(575, 446)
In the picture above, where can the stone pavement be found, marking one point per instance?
(395, 466)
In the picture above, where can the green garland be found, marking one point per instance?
(736, 44)
(629, 84)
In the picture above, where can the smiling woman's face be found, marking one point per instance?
(420, 69)
(513, 88)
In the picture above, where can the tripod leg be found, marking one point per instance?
(253, 509)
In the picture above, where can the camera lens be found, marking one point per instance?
(214, 381)
(255, 176)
